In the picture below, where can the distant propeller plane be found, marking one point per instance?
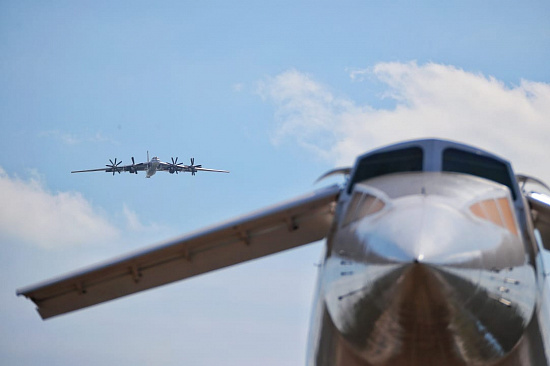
(151, 167)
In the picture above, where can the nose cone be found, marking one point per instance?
(427, 282)
(423, 229)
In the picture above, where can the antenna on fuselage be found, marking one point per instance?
(147, 155)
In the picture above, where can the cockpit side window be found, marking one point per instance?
(361, 205)
(498, 211)
(396, 161)
(460, 161)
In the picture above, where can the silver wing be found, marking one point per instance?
(180, 167)
(114, 167)
(297, 222)
(211, 170)
(172, 168)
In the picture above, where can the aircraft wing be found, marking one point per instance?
(123, 168)
(189, 169)
(211, 170)
(297, 222)
(93, 170)
(186, 168)
(164, 166)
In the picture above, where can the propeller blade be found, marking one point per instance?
(114, 166)
(174, 165)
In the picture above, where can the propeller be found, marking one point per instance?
(132, 168)
(174, 166)
(114, 165)
(193, 166)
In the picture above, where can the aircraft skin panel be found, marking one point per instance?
(540, 206)
(334, 351)
(544, 311)
(281, 227)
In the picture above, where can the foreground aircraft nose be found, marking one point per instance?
(425, 282)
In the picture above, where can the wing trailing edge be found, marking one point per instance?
(297, 222)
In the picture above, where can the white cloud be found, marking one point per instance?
(238, 87)
(306, 110)
(134, 224)
(32, 214)
(132, 219)
(431, 100)
(71, 139)
(66, 138)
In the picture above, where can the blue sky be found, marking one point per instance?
(276, 93)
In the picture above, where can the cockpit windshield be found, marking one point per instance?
(460, 161)
(396, 161)
(433, 155)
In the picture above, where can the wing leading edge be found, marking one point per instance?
(297, 222)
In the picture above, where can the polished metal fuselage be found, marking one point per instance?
(431, 268)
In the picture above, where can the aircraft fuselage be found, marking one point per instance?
(430, 267)
(152, 167)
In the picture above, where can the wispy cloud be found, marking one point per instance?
(307, 111)
(134, 224)
(238, 87)
(34, 215)
(431, 100)
(73, 139)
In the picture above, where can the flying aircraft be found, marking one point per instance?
(151, 167)
(437, 253)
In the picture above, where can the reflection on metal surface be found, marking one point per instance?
(362, 204)
(426, 277)
(497, 211)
